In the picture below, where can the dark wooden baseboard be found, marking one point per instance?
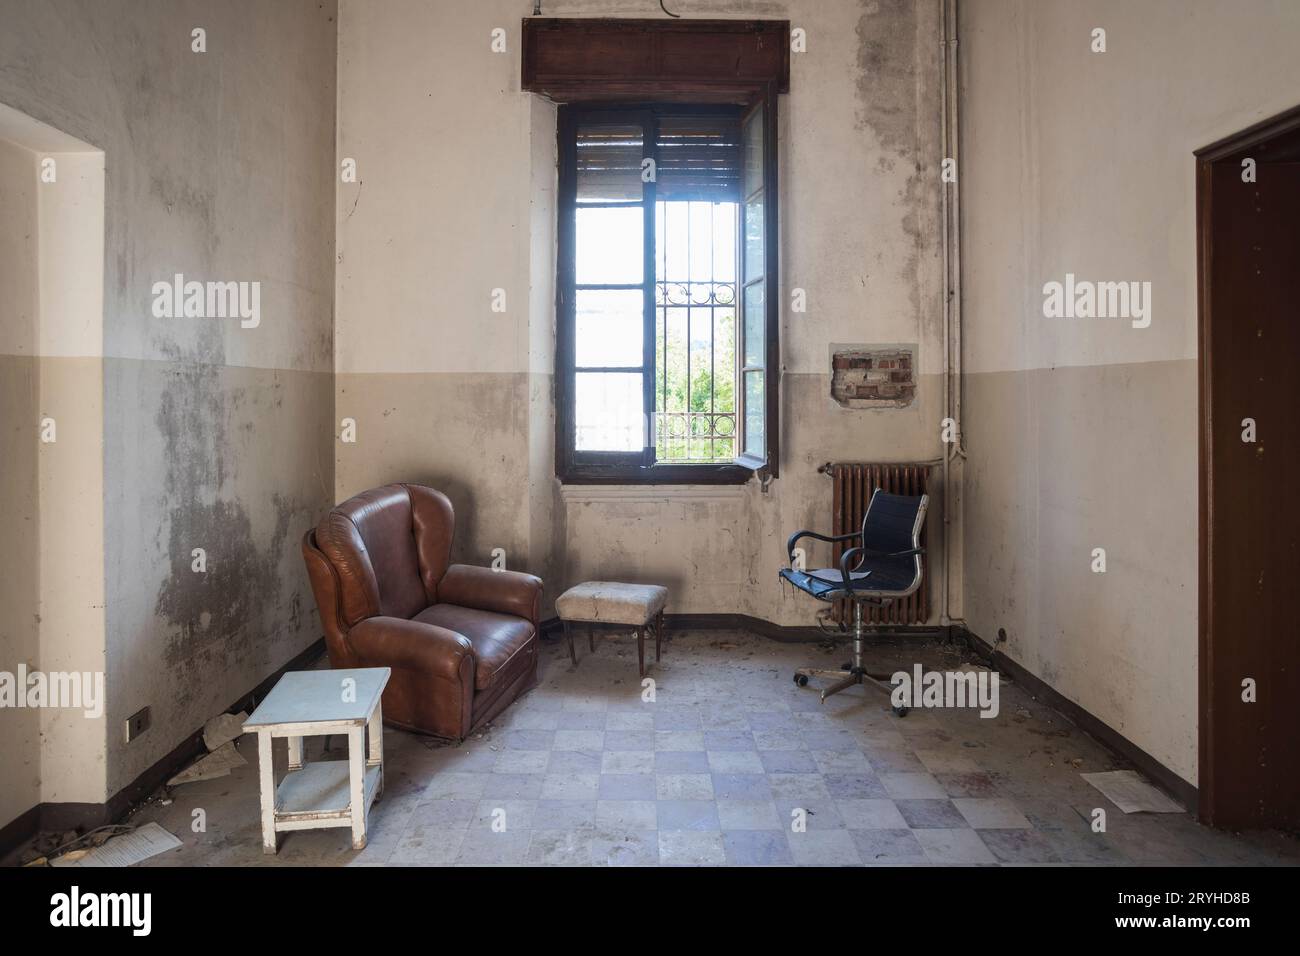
(787, 633)
(86, 816)
(1179, 789)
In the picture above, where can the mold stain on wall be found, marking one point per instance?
(227, 614)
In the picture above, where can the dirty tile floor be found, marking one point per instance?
(581, 771)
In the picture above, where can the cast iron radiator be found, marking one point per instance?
(854, 484)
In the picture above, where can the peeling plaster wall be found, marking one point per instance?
(220, 167)
(1083, 433)
(456, 194)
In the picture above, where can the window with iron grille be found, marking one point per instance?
(666, 278)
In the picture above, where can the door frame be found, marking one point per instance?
(1276, 126)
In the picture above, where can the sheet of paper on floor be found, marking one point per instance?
(219, 763)
(1128, 791)
(140, 844)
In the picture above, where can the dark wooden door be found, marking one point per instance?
(1250, 489)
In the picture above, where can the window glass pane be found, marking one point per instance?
(608, 412)
(695, 382)
(673, 242)
(754, 239)
(609, 163)
(755, 322)
(700, 215)
(754, 410)
(752, 176)
(609, 246)
(724, 360)
(610, 327)
(724, 241)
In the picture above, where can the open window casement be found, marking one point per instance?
(666, 298)
(757, 352)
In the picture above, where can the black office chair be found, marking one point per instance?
(884, 566)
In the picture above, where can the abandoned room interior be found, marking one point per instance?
(604, 432)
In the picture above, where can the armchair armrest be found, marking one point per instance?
(831, 539)
(411, 645)
(505, 592)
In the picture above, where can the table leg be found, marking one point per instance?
(375, 755)
(295, 752)
(357, 785)
(568, 636)
(266, 774)
(640, 649)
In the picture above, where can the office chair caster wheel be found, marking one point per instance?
(900, 711)
(801, 680)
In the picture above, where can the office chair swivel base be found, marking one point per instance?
(845, 678)
(853, 672)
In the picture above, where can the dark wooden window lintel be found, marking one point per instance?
(590, 59)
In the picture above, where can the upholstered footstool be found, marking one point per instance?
(639, 606)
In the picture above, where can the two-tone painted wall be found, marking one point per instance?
(1082, 432)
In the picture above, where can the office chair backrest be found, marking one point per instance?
(892, 522)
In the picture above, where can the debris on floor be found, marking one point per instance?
(222, 729)
(216, 764)
(1128, 791)
(122, 850)
(219, 736)
(49, 844)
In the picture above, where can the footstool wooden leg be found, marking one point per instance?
(591, 637)
(640, 649)
(568, 636)
(659, 634)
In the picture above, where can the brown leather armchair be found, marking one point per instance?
(461, 640)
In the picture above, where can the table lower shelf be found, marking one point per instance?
(319, 795)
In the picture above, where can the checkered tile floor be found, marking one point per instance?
(719, 768)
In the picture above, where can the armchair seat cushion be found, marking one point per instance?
(502, 644)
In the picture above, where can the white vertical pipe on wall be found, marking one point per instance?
(951, 224)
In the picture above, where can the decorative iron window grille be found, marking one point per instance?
(695, 331)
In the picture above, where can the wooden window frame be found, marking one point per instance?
(588, 467)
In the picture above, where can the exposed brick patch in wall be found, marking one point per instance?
(873, 377)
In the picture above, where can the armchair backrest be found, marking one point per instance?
(388, 548)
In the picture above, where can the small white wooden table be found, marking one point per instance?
(327, 793)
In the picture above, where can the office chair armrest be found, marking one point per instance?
(831, 539)
(847, 557)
